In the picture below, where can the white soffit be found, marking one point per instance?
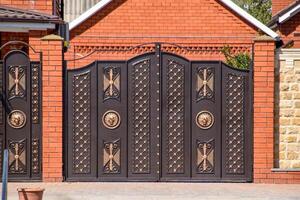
(24, 27)
(289, 14)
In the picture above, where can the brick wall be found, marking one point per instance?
(195, 22)
(278, 5)
(36, 5)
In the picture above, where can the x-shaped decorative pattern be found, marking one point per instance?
(205, 157)
(111, 83)
(205, 83)
(16, 81)
(17, 156)
(111, 157)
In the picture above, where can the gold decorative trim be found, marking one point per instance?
(16, 119)
(205, 119)
(111, 119)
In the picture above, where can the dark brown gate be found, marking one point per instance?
(20, 112)
(158, 117)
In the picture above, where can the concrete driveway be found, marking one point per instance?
(160, 191)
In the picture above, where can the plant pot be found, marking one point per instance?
(30, 193)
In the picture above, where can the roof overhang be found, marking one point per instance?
(24, 26)
(20, 20)
(285, 14)
(246, 16)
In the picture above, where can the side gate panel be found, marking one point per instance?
(143, 118)
(112, 120)
(82, 123)
(176, 76)
(236, 127)
(206, 121)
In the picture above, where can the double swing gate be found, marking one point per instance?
(158, 117)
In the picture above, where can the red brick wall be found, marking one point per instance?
(6, 37)
(289, 28)
(37, 5)
(193, 22)
(278, 5)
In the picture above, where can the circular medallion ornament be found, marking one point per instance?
(16, 119)
(205, 119)
(111, 119)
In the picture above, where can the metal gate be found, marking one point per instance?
(158, 117)
(20, 112)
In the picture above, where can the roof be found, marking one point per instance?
(9, 14)
(285, 14)
(235, 8)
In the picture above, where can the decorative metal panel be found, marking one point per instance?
(17, 156)
(35, 96)
(81, 123)
(141, 116)
(175, 117)
(16, 81)
(35, 156)
(205, 156)
(234, 139)
(111, 83)
(205, 83)
(111, 157)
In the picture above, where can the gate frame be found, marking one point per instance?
(159, 51)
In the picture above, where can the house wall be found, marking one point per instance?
(44, 6)
(278, 5)
(290, 30)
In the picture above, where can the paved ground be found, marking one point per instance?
(161, 191)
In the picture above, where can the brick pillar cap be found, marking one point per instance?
(263, 38)
(52, 37)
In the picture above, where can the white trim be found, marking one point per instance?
(250, 19)
(84, 16)
(289, 54)
(24, 26)
(289, 14)
(228, 3)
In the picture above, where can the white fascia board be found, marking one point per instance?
(24, 27)
(250, 19)
(289, 14)
(84, 16)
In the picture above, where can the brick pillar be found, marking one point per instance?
(264, 58)
(52, 108)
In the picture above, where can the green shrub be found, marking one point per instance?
(239, 60)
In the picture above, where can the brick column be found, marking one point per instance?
(264, 58)
(52, 108)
